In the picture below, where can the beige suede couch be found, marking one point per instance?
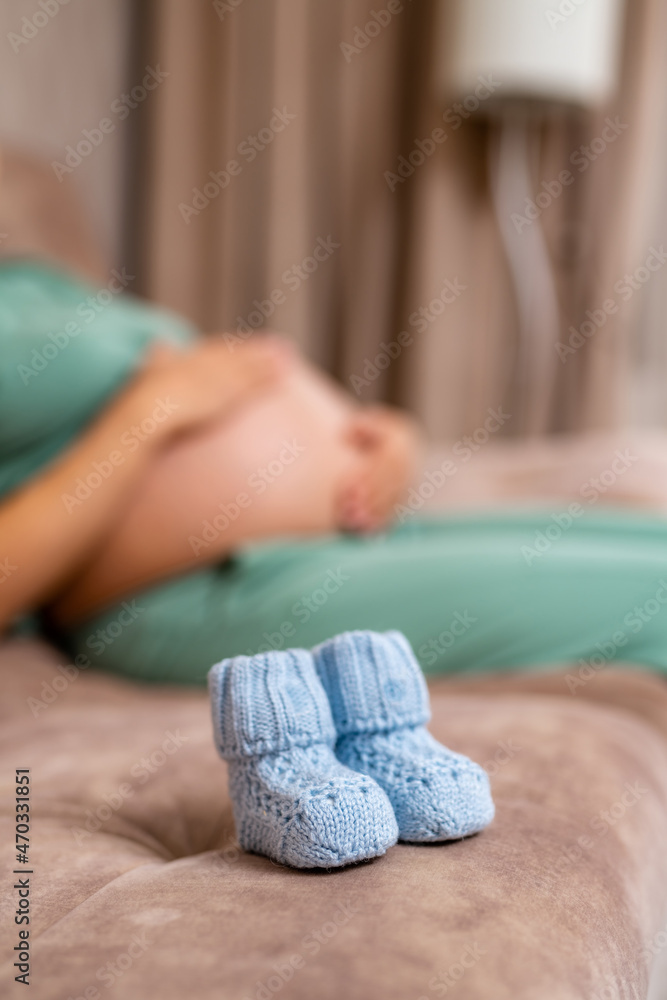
(138, 888)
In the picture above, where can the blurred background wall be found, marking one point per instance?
(62, 78)
(256, 171)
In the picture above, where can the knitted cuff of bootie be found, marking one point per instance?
(373, 682)
(379, 702)
(293, 800)
(268, 703)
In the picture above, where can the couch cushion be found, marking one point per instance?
(140, 890)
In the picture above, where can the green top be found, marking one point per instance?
(65, 349)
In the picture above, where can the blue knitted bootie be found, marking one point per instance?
(379, 702)
(293, 800)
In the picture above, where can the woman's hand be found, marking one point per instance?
(210, 379)
(387, 444)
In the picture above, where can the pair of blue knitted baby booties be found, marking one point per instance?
(329, 759)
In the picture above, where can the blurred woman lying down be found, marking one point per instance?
(167, 500)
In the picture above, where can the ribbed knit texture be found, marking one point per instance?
(293, 800)
(379, 702)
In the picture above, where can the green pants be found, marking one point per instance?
(474, 593)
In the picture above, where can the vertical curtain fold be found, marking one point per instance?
(353, 102)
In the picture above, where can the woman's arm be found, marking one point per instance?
(47, 530)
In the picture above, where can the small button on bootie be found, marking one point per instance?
(293, 800)
(379, 702)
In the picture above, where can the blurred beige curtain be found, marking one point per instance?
(264, 163)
